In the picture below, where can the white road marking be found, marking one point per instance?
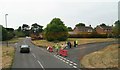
(61, 57)
(63, 60)
(40, 64)
(74, 63)
(74, 67)
(66, 62)
(70, 64)
(33, 55)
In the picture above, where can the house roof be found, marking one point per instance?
(84, 27)
(106, 27)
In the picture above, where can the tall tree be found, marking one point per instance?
(25, 29)
(56, 30)
(80, 24)
(36, 29)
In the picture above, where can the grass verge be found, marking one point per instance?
(45, 43)
(7, 56)
(15, 40)
(105, 58)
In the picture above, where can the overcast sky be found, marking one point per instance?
(71, 12)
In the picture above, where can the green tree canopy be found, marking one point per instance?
(80, 24)
(69, 29)
(19, 28)
(25, 29)
(116, 28)
(35, 28)
(56, 30)
(102, 24)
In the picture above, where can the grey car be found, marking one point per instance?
(24, 49)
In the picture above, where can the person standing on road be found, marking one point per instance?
(62, 46)
(75, 43)
(69, 44)
(57, 48)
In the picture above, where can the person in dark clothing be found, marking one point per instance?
(69, 44)
(74, 43)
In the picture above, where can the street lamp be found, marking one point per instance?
(6, 19)
(6, 25)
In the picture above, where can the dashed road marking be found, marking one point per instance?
(74, 67)
(40, 64)
(70, 64)
(74, 63)
(67, 62)
(63, 60)
(33, 55)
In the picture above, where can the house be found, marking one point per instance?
(83, 29)
(104, 29)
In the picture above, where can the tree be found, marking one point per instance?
(36, 29)
(3, 33)
(25, 29)
(102, 24)
(116, 29)
(10, 33)
(80, 24)
(56, 30)
(69, 29)
(19, 29)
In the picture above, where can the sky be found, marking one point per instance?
(71, 12)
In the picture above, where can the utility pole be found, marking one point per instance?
(6, 26)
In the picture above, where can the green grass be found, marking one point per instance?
(15, 40)
(7, 56)
(105, 58)
(45, 43)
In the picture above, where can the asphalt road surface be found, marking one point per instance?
(41, 58)
(75, 54)
(37, 58)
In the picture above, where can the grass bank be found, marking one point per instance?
(105, 58)
(45, 43)
(7, 56)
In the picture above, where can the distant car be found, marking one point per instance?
(24, 49)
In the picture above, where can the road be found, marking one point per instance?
(75, 54)
(41, 58)
(37, 58)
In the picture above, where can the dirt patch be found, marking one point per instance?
(105, 58)
(7, 56)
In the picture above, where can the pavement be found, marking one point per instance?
(41, 58)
